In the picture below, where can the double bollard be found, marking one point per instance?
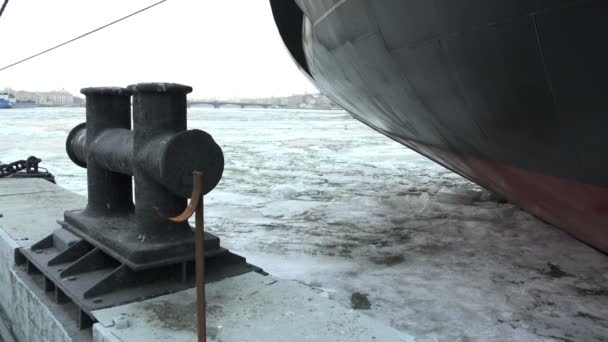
(115, 250)
(159, 154)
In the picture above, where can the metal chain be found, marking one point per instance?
(30, 166)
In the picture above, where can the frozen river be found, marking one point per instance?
(317, 197)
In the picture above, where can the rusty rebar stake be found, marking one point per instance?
(196, 207)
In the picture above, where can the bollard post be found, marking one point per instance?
(106, 108)
(159, 113)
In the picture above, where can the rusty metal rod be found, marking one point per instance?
(200, 262)
(196, 207)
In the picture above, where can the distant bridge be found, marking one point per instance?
(218, 104)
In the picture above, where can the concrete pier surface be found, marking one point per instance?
(250, 307)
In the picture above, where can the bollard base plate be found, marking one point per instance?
(77, 271)
(119, 237)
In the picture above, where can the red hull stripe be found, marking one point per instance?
(579, 209)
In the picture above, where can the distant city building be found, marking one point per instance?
(26, 96)
(325, 101)
(311, 101)
(48, 98)
(55, 98)
(78, 101)
(295, 100)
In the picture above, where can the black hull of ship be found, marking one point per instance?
(508, 93)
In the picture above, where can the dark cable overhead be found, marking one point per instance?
(80, 36)
(3, 7)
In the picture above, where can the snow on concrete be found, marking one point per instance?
(29, 209)
(250, 307)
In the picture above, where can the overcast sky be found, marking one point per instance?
(222, 48)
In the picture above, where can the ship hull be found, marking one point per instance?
(509, 94)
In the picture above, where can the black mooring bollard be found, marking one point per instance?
(159, 153)
(115, 251)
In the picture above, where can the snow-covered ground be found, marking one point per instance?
(317, 197)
